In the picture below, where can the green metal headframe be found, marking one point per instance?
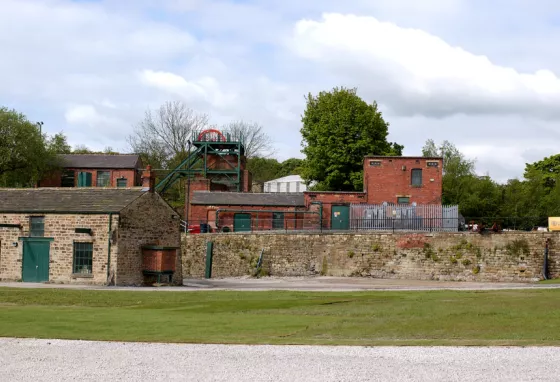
(209, 143)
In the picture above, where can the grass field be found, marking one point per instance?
(516, 317)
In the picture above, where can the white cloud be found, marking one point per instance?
(413, 72)
(462, 70)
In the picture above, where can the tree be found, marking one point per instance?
(263, 169)
(339, 130)
(548, 169)
(58, 144)
(256, 141)
(291, 166)
(163, 135)
(24, 156)
(458, 171)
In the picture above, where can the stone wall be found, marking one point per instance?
(439, 256)
(60, 227)
(147, 221)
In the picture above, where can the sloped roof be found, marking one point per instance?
(67, 200)
(210, 198)
(122, 161)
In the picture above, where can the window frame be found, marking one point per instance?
(108, 178)
(275, 220)
(33, 230)
(125, 182)
(87, 261)
(403, 197)
(412, 172)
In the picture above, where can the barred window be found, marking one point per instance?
(103, 178)
(83, 257)
(121, 182)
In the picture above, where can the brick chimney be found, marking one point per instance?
(149, 179)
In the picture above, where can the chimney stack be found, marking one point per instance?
(149, 179)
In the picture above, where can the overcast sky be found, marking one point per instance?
(481, 74)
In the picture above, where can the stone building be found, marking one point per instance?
(96, 170)
(84, 235)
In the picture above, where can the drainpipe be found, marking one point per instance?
(109, 247)
(545, 262)
(320, 204)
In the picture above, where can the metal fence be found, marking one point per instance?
(405, 217)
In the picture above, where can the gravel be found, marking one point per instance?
(59, 360)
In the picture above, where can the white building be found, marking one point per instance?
(291, 183)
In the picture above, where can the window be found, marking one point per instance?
(403, 200)
(67, 179)
(83, 257)
(277, 220)
(103, 178)
(122, 182)
(37, 226)
(416, 179)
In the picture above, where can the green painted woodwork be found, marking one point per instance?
(340, 217)
(241, 222)
(36, 257)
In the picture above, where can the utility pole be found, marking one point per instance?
(188, 201)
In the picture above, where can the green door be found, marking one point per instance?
(242, 223)
(84, 179)
(36, 260)
(340, 217)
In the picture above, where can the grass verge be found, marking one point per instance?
(515, 317)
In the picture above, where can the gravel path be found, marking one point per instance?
(57, 360)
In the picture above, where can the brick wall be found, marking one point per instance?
(147, 221)
(385, 180)
(442, 256)
(60, 227)
(131, 175)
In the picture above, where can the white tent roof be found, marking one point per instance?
(289, 178)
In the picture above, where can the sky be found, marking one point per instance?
(481, 74)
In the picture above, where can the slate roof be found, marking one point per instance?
(122, 161)
(67, 200)
(210, 198)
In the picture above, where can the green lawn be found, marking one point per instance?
(516, 317)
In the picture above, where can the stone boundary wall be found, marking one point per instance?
(505, 257)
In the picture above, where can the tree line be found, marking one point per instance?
(338, 129)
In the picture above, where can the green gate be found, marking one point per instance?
(36, 257)
(340, 217)
(242, 223)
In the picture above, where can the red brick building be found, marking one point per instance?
(403, 180)
(390, 180)
(96, 170)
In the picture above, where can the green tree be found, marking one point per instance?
(263, 169)
(58, 144)
(24, 155)
(548, 169)
(458, 171)
(339, 130)
(291, 166)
